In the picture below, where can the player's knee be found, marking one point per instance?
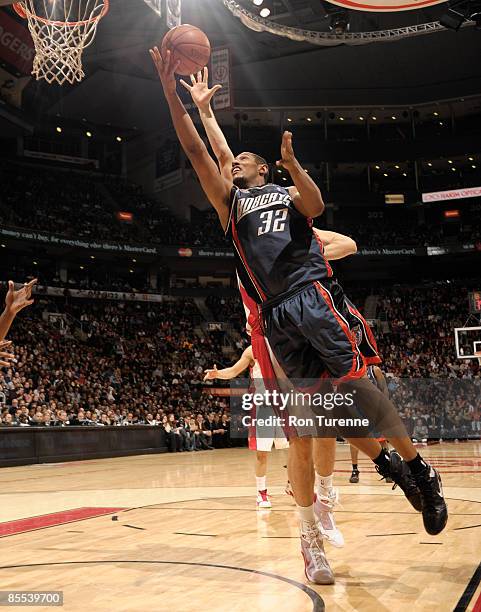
(261, 456)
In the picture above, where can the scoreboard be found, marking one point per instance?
(475, 302)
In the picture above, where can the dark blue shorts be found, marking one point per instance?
(309, 330)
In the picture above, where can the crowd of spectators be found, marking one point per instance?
(115, 364)
(438, 394)
(82, 205)
(121, 363)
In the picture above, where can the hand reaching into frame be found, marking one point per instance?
(6, 358)
(16, 301)
(211, 374)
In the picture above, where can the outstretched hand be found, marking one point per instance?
(16, 301)
(199, 90)
(165, 69)
(211, 374)
(287, 152)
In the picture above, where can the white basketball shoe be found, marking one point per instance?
(323, 509)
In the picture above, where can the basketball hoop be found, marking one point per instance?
(61, 30)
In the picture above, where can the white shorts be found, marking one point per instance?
(271, 436)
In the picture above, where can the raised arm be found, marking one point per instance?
(336, 246)
(305, 193)
(202, 96)
(216, 188)
(244, 362)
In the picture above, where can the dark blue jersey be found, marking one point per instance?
(275, 247)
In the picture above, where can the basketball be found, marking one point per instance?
(190, 46)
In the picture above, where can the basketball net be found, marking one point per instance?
(61, 30)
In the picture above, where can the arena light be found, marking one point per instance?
(258, 2)
(289, 119)
(451, 214)
(81, 267)
(393, 117)
(430, 164)
(471, 158)
(125, 216)
(404, 174)
(374, 118)
(339, 22)
(308, 119)
(377, 167)
(441, 123)
(4, 246)
(386, 174)
(397, 167)
(436, 114)
(450, 161)
(88, 134)
(265, 12)
(341, 118)
(119, 139)
(59, 129)
(361, 118)
(474, 166)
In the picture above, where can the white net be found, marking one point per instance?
(172, 10)
(155, 5)
(61, 30)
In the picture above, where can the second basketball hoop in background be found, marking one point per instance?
(190, 46)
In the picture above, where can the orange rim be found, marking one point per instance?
(21, 11)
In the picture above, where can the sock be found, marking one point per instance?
(261, 483)
(323, 485)
(417, 465)
(306, 514)
(382, 460)
(354, 467)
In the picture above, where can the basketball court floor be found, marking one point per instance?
(181, 532)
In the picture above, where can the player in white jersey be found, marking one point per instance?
(262, 444)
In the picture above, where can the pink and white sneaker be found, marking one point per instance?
(323, 509)
(263, 500)
(317, 566)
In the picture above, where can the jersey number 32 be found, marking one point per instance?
(273, 221)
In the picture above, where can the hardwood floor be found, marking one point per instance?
(187, 536)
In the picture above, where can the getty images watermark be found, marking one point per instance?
(257, 404)
(421, 408)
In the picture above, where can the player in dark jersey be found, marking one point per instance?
(304, 313)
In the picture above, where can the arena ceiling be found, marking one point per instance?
(122, 89)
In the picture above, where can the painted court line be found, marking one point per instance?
(52, 520)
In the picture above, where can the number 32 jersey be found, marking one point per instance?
(275, 247)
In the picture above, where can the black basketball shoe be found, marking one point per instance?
(435, 510)
(354, 476)
(401, 475)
